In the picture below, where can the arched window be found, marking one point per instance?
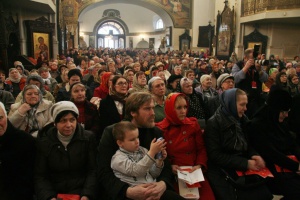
(159, 24)
(110, 34)
(106, 27)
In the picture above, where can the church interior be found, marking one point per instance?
(218, 27)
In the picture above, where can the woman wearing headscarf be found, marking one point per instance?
(228, 149)
(196, 104)
(64, 82)
(139, 83)
(88, 114)
(74, 76)
(184, 138)
(112, 108)
(293, 84)
(32, 113)
(281, 81)
(38, 81)
(103, 90)
(269, 134)
(129, 75)
(16, 81)
(66, 157)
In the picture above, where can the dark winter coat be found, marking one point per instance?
(70, 170)
(17, 153)
(108, 113)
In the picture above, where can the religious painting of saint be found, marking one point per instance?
(41, 45)
(223, 40)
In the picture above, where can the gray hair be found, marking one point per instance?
(150, 82)
(31, 86)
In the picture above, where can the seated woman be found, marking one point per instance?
(15, 81)
(228, 149)
(293, 84)
(173, 83)
(196, 104)
(102, 91)
(205, 89)
(88, 113)
(64, 82)
(269, 134)
(38, 81)
(74, 76)
(66, 157)
(129, 74)
(139, 83)
(112, 108)
(32, 113)
(185, 145)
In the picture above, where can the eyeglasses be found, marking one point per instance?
(122, 83)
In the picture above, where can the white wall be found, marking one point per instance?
(278, 42)
(137, 18)
(203, 12)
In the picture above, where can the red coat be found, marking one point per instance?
(22, 83)
(185, 144)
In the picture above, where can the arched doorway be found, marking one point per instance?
(110, 34)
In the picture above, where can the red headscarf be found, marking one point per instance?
(170, 112)
(104, 82)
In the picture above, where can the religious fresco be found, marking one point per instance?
(180, 11)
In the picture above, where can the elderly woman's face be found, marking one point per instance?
(241, 105)
(32, 96)
(207, 83)
(78, 93)
(187, 88)
(14, 74)
(44, 74)
(141, 79)
(67, 125)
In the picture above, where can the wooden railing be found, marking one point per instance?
(251, 7)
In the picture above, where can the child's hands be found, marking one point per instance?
(156, 147)
(164, 155)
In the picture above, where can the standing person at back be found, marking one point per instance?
(140, 111)
(249, 77)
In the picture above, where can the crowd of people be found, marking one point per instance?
(119, 123)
